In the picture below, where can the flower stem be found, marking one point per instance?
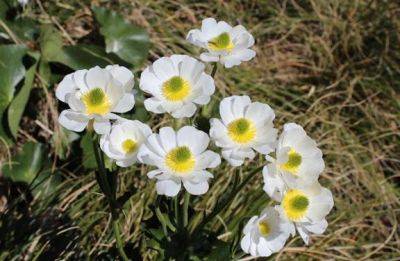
(186, 208)
(222, 205)
(110, 195)
(214, 70)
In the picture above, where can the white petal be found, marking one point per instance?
(317, 228)
(126, 162)
(101, 126)
(168, 187)
(123, 75)
(194, 37)
(208, 24)
(186, 110)
(74, 121)
(164, 69)
(208, 57)
(273, 184)
(152, 174)
(263, 249)
(196, 188)
(97, 77)
(321, 205)
(65, 88)
(226, 110)
(191, 69)
(168, 138)
(125, 104)
(149, 82)
(207, 159)
(193, 138)
(245, 243)
(238, 57)
(154, 105)
(260, 112)
(236, 157)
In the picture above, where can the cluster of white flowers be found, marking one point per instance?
(178, 85)
(292, 180)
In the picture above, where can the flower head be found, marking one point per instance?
(180, 157)
(224, 43)
(298, 160)
(95, 94)
(123, 142)
(245, 126)
(306, 206)
(266, 234)
(177, 84)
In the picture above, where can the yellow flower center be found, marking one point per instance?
(180, 159)
(96, 102)
(222, 42)
(129, 146)
(176, 89)
(295, 204)
(264, 228)
(241, 130)
(293, 163)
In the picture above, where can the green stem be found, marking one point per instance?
(214, 70)
(226, 202)
(186, 208)
(110, 195)
(176, 211)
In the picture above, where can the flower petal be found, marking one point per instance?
(74, 121)
(196, 188)
(169, 187)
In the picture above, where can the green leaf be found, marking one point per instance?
(88, 160)
(129, 42)
(25, 165)
(84, 56)
(11, 73)
(51, 42)
(17, 106)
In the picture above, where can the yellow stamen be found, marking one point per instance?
(264, 228)
(241, 130)
(96, 102)
(176, 89)
(222, 42)
(293, 163)
(180, 159)
(295, 204)
(129, 146)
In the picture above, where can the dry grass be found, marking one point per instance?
(332, 66)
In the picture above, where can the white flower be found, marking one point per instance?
(95, 94)
(306, 206)
(23, 2)
(177, 84)
(298, 160)
(266, 234)
(123, 142)
(180, 157)
(224, 43)
(244, 126)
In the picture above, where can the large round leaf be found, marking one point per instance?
(12, 71)
(26, 165)
(129, 42)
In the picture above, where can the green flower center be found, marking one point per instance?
(293, 163)
(222, 42)
(180, 159)
(96, 102)
(176, 89)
